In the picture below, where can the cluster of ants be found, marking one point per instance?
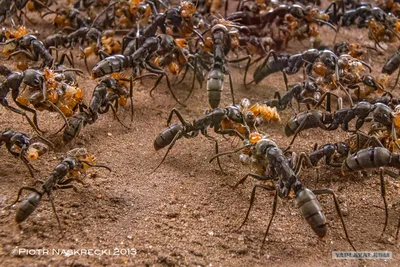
(163, 39)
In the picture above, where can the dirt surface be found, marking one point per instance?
(187, 213)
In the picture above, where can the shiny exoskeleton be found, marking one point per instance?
(364, 13)
(105, 96)
(33, 49)
(67, 17)
(68, 170)
(368, 81)
(382, 26)
(140, 59)
(76, 124)
(222, 44)
(372, 158)
(119, 63)
(306, 92)
(331, 152)
(391, 65)
(22, 146)
(280, 170)
(291, 64)
(329, 121)
(212, 119)
(275, 14)
(39, 94)
(13, 82)
(8, 7)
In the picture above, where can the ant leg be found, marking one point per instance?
(229, 152)
(4, 103)
(103, 54)
(172, 92)
(274, 205)
(230, 131)
(302, 124)
(248, 58)
(253, 194)
(178, 114)
(60, 112)
(333, 6)
(254, 175)
(54, 209)
(371, 33)
(337, 207)
(216, 152)
(176, 137)
(328, 96)
(394, 135)
(31, 56)
(69, 58)
(69, 186)
(231, 87)
(96, 165)
(396, 176)
(299, 164)
(14, 96)
(183, 76)
(193, 80)
(370, 139)
(20, 192)
(154, 69)
(397, 80)
(131, 96)
(84, 58)
(116, 116)
(383, 194)
(155, 85)
(28, 164)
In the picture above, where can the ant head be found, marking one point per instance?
(173, 17)
(378, 14)
(342, 148)
(26, 40)
(235, 114)
(167, 43)
(261, 147)
(383, 114)
(297, 11)
(311, 86)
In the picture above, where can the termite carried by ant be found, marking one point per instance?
(22, 146)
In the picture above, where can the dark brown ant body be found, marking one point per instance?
(140, 59)
(372, 158)
(75, 164)
(329, 121)
(105, 96)
(36, 80)
(9, 7)
(221, 47)
(212, 119)
(13, 82)
(33, 49)
(306, 92)
(281, 170)
(291, 64)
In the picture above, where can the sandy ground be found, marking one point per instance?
(186, 213)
